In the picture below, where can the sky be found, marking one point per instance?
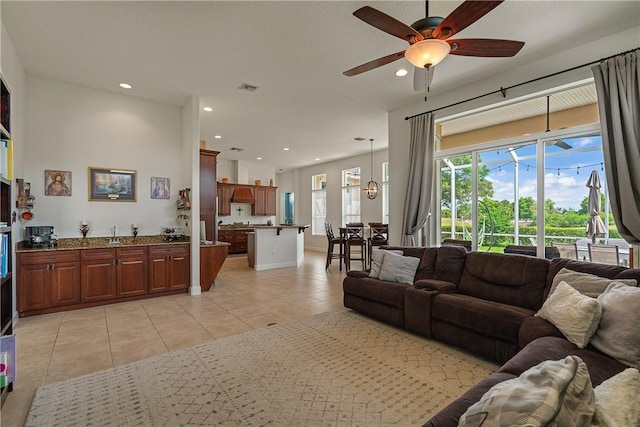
(566, 171)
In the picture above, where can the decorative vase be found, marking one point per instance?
(271, 182)
(258, 182)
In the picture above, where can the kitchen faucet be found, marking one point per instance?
(114, 240)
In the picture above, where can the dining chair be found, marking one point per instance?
(378, 236)
(567, 250)
(332, 241)
(354, 237)
(604, 254)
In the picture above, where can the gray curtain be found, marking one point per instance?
(417, 201)
(618, 88)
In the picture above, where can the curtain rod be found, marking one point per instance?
(503, 90)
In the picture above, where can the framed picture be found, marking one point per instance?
(57, 183)
(112, 184)
(160, 188)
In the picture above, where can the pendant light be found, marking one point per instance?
(372, 189)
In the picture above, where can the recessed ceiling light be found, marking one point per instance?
(125, 85)
(317, 158)
(208, 109)
(258, 158)
(218, 136)
(401, 72)
(286, 148)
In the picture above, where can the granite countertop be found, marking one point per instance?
(102, 242)
(254, 226)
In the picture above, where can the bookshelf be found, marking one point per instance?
(6, 244)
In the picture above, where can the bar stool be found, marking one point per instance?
(379, 236)
(354, 237)
(332, 241)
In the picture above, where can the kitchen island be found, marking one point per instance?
(279, 246)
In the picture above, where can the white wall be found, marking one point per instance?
(399, 130)
(73, 127)
(371, 210)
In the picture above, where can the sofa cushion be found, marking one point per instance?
(617, 400)
(576, 315)
(388, 293)
(483, 317)
(601, 366)
(602, 270)
(516, 280)
(427, 256)
(398, 268)
(552, 393)
(449, 263)
(585, 283)
(618, 334)
(377, 256)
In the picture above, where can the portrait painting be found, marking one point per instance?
(57, 183)
(160, 188)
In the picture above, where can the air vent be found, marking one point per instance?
(247, 87)
(236, 149)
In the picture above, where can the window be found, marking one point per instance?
(319, 203)
(385, 192)
(350, 196)
(526, 189)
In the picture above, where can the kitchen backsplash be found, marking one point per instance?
(241, 212)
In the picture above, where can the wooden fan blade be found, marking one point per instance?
(485, 47)
(374, 64)
(387, 24)
(422, 78)
(463, 16)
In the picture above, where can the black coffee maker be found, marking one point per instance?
(40, 236)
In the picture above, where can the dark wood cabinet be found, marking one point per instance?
(132, 271)
(236, 238)
(169, 267)
(208, 191)
(265, 204)
(98, 279)
(225, 193)
(48, 279)
(113, 273)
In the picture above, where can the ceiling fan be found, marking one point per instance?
(429, 39)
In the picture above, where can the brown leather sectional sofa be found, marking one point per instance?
(484, 303)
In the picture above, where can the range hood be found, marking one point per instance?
(243, 195)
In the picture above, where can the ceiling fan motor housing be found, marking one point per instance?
(425, 26)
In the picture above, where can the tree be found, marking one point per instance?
(527, 208)
(463, 185)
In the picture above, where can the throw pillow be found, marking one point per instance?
(586, 284)
(575, 315)
(617, 401)
(397, 268)
(552, 393)
(377, 256)
(618, 334)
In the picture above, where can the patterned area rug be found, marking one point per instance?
(333, 369)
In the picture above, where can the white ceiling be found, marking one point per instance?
(295, 52)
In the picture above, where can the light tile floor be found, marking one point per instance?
(56, 347)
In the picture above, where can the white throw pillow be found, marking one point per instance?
(575, 315)
(552, 393)
(377, 256)
(618, 334)
(587, 284)
(397, 268)
(617, 401)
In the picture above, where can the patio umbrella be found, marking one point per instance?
(595, 226)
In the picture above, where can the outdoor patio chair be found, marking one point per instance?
(604, 254)
(567, 250)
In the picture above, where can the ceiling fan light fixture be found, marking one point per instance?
(427, 53)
